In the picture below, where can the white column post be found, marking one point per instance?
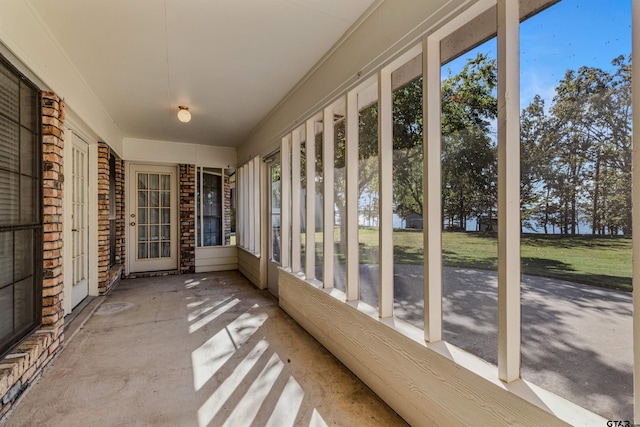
(353, 257)
(285, 202)
(431, 187)
(385, 174)
(295, 201)
(328, 134)
(508, 190)
(255, 192)
(310, 235)
(635, 94)
(250, 211)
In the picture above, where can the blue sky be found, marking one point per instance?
(568, 35)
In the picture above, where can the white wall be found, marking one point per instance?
(427, 385)
(144, 150)
(22, 33)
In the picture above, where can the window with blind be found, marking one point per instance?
(20, 206)
(213, 196)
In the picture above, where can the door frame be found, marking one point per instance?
(129, 234)
(75, 129)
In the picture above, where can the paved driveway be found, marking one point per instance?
(576, 339)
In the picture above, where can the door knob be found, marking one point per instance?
(132, 223)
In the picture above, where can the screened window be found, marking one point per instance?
(213, 195)
(20, 206)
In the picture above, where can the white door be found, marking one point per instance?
(275, 190)
(79, 220)
(153, 218)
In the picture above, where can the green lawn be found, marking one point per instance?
(600, 261)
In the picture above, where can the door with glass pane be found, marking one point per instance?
(274, 191)
(152, 218)
(79, 220)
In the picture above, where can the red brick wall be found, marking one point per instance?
(24, 363)
(53, 187)
(104, 248)
(108, 275)
(187, 219)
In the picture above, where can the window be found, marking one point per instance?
(213, 196)
(20, 207)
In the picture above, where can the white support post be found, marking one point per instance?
(241, 207)
(385, 175)
(295, 201)
(508, 24)
(257, 211)
(310, 235)
(251, 217)
(431, 187)
(635, 97)
(352, 141)
(328, 135)
(285, 202)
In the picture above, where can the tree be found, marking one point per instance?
(469, 156)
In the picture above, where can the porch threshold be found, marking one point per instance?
(146, 274)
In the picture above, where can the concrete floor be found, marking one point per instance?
(200, 349)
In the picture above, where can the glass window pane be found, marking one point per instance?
(166, 199)
(9, 144)
(154, 251)
(143, 217)
(142, 181)
(28, 193)
(368, 195)
(24, 304)
(166, 182)
(469, 201)
(27, 154)
(408, 245)
(154, 216)
(142, 251)
(165, 232)
(339, 199)
(319, 201)
(576, 204)
(9, 198)
(6, 258)
(166, 250)
(154, 181)
(166, 216)
(303, 203)
(143, 233)
(154, 232)
(28, 104)
(24, 254)
(142, 198)
(275, 238)
(154, 199)
(6, 312)
(9, 93)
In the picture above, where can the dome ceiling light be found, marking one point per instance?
(183, 114)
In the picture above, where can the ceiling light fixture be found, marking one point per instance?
(183, 114)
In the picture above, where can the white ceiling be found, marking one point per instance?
(229, 61)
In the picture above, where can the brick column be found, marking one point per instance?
(53, 186)
(104, 248)
(187, 219)
(120, 211)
